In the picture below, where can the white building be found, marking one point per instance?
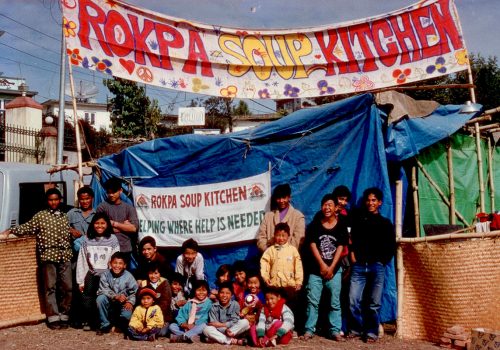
(96, 114)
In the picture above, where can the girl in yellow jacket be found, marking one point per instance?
(147, 319)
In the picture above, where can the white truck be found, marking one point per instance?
(22, 190)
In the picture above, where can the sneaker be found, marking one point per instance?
(86, 327)
(64, 325)
(54, 325)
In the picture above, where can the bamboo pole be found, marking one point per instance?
(479, 119)
(399, 256)
(491, 126)
(77, 127)
(491, 131)
(450, 236)
(451, 183)
(415, 199)
(492, 111)
(440, 192)
(492, 176)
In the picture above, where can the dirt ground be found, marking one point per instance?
(40, 337)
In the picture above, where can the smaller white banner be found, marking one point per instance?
(212, 214)
(191, 116)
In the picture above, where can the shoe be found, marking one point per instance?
(370, 340)
(337, 337)
(306, 336)
(54, 325)
(174, 338)
(86, 327)
(152, 337)
(353, 336)
(103, 330)
(63, 325)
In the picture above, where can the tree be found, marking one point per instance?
(218, 113)
(133, 114)
(241, 109)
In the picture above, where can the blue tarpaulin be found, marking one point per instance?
(314, 150)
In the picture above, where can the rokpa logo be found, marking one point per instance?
(142, 201)
(256, 191)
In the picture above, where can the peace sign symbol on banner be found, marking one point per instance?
(145, 74)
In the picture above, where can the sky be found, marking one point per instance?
(30, 46)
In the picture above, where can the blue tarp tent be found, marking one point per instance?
(314, 150)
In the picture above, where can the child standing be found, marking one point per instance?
(275, 321)
(116, 294)
(193, 316)
(281, 265)
(163, 292)
(147, 320)
(178, 299)
(225, 325)
(95, 253)
(190, 264)
(240, 280)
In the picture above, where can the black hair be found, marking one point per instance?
(341, 191)
(227, 285)
(177, 277)
(52, 191)
(375, 191)
(118, 255)
(190, 244)
(198, 284)
(255, 273)
(239, 265)
(222, 270)
(329, 197)
(146, 240)
(281, 191)
(153, 266)
(272, 290)
(91, 233)
(114, 184)
(85, 189)
(282, 226)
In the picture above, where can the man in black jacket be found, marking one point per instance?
(373, 247)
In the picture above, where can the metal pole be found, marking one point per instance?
(77, 127)
(399, 256)
(60, 123)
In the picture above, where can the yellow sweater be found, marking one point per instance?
(150, 317)
(282, 265)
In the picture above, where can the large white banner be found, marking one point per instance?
(415, 43)
(212, 214)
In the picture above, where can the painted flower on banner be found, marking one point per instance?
(324, 88)
(102, 65)
(264, 93)
(438, 66)
(362, 84)
(401, 75)
(462, 57)
(291, 91)
(198, 85)
(74, 56)
(69, 27)
(230, 91)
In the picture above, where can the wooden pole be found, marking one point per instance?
(77, 127)
(451, 183)
(479, 119)
(415, 199)
(492, 176)
(450, 236)
(399, 256)
(440, 192)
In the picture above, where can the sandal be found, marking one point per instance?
(306, 336)
(370, 340)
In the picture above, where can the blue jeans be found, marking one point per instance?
(108, 309)
(314, 289)
(366, 280)
(175, 329)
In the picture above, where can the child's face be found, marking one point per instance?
(148, 251)
(240, 277)
(100, 226)
(224, 296)
(272, 300)
(147, 301)
(53, 201)
(189, 255)
(201, 293)
(342, 203)
(280, 237)
(154, 276)
(85, 201)
(117, 266)
(253, 285)
(328, 209)
(176, 287)
(224, 278)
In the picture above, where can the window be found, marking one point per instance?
(92, 119)
(32, 198)
(87, 119)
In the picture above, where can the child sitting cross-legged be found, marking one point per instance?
(224, 324)
(276, 321)
(192, 317)
(147, 319)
